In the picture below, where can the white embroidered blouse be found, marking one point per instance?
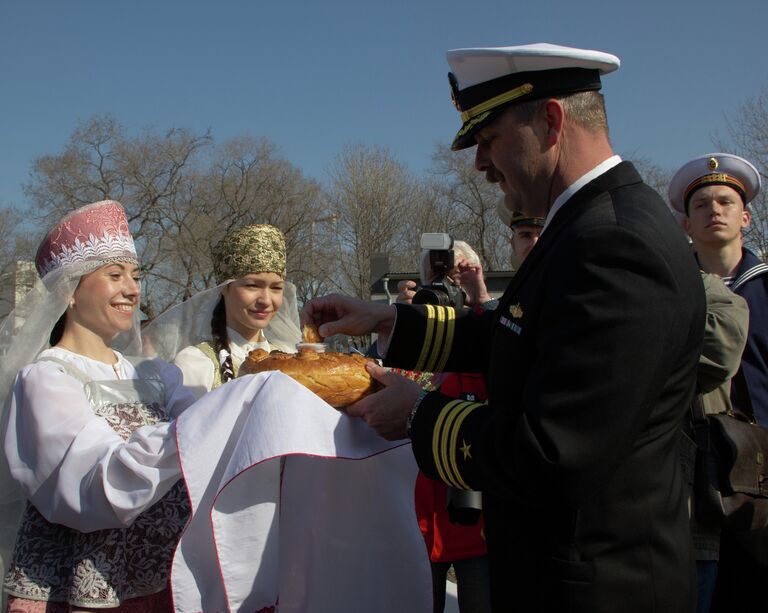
(75, 468)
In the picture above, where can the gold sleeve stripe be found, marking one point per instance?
(438, 338)
(445, 438)
(436, 437)
(452, 450)
(449, 330)
(445, 449)
(430, 331)
(440, 315)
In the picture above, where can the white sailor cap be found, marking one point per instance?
(486, 80)
(513, 219)
(714, 169)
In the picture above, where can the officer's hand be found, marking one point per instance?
(387, 411)
(337, 314)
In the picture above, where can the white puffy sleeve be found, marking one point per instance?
(178, 397)
(198, 370)
(72, 465)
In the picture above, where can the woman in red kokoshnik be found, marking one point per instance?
(89, 436)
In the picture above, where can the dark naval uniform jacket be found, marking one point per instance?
(590, 362)
(749, 388)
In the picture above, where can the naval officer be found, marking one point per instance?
(590, 359)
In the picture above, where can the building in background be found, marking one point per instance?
(15, 281)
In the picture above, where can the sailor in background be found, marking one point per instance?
(526, 231)
(714, 192)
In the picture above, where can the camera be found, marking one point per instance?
(441, 291)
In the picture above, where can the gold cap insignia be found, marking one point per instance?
(712, 163)
(516, 311)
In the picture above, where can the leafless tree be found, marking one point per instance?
(747, 136)
(653, 174)
(18, 243)
(248, 183)
(182, 193)
(656, 177)
(466, 206)
(85, 171)
(147, 174)
(374, 203)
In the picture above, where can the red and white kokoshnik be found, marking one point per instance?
(95, 234)
(84, 240)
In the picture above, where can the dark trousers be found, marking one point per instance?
(472, 582)
(706, 576)
(740, 584)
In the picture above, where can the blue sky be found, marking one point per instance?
(314, 75)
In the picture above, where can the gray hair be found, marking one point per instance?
(585, 108)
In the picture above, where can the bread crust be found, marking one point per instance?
(338, 378)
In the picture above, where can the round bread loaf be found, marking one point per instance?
(338, 378)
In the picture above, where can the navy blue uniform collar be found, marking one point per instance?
(750, 267)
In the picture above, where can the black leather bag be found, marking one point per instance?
(731, 473)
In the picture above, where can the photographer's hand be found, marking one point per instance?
(470, 278)
(387, 411)
(407, 290)
(337, 314)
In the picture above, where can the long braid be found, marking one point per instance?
(221, 341)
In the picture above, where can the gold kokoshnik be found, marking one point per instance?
(251, 249)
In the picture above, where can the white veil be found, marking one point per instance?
(24, 333)
(189, 323)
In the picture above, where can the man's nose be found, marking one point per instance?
(481, 158)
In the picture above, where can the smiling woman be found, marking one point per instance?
(253, 307)
(252, 301)
(102, 306)
(89, 439)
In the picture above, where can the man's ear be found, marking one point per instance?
(687, 225)
(554, 118)
(746, 218)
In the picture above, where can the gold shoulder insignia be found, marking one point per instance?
(516, 311)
